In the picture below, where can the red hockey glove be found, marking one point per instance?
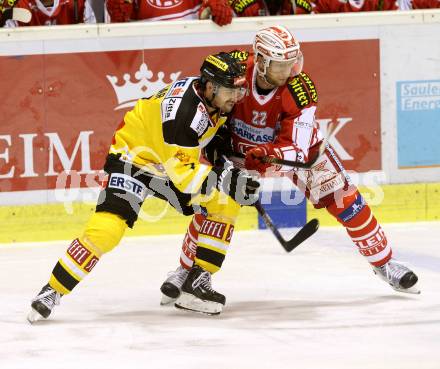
(246, 8)
(253, 160)
(221, 12)
(119, 10)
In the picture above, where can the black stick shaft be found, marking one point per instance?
(303, 234)
(269, 223)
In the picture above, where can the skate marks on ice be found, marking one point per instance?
(286, 314)
(320, 306)
(237, 314)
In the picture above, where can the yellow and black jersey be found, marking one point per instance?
(165, 133)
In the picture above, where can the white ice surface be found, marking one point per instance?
(319, 307)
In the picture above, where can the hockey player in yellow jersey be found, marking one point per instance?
(156, 151)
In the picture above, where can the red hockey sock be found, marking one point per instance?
(363, 228)
(189, 246)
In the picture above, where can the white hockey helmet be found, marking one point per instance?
(278, 44)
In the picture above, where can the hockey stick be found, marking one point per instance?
(16, 14)
(297, 164)
(290, 163)
(303, 234)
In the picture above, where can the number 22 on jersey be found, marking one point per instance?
(259, 118)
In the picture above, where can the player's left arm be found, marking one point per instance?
(183, 164)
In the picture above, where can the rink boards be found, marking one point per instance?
(75, 85)
(400, 203)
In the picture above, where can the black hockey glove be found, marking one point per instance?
(234, 182)
(220, 145)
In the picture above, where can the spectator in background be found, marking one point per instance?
(98, 9)
(155, 10)
(288, 7)
(53, 12)
(418, 4)
(351, 6)
(258, 8)
(254, 8)
(249, 8)
(5, 6)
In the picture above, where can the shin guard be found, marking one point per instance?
(212, 244)
(103, 232)
(78, 261)
(363, 228)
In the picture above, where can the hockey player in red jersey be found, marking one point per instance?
(55, 12)
(277, 119)
(158, 10)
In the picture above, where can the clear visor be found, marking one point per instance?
(289, 67)
(235, 94)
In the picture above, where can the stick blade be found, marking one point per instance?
(308, 230)
(21, 15)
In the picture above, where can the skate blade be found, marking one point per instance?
(34, 316)
(167, 301)
(195, 311)
(189, 302)
(414, 290)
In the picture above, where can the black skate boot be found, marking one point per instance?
(198, 295)
(172, 286)
(398, 276)
(43, 304)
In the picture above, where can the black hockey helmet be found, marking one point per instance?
(224, 70)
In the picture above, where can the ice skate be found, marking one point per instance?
(398, 276)
(197, 293)
(172, 286)
(43, 304)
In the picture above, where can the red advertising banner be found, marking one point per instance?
(59, 111)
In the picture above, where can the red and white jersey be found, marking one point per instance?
(154, 10)
(288, 7)
(350, 6)
(285, 117)
(61, 12)
(418, 4)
